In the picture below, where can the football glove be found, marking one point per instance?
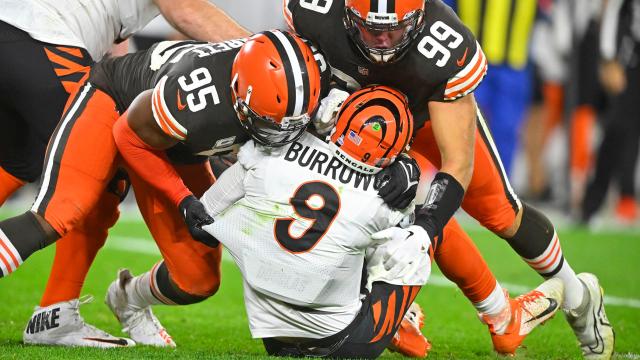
(328, 110)
(195, 216)
(402, 246)
(397, 184)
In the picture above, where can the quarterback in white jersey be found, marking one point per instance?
(301, 223)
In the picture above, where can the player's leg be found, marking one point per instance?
(491, 200)
(79, 163)
(75, 253)
(472, 274)
(379, 319)
(189, 273)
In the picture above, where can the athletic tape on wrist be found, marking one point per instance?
(444, 198)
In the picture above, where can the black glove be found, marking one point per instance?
(397, 184)
(195, 216)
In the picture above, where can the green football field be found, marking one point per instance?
(217, 328)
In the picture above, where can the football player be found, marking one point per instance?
(48, 47)
(422, 48)
(303, 261)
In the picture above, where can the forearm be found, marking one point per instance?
(150, 164)
(454, 128)
(201, 20)
(228, 189)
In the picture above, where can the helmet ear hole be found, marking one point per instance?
(278, 99)
(273, 65)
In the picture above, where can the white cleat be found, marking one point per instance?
(140, 323)
(591, 326)
(61, 324)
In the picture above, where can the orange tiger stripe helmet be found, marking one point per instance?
(374, 125)
(383, 29)
(275, 87)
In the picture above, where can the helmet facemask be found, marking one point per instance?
(383, 38)
(263, 129)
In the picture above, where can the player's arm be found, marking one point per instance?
(453, 115)
(200, 20)
(142, 142)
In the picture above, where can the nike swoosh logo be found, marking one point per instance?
(553, 306)
(460, 61)
(181, 106)
(121, 342)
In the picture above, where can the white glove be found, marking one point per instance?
(328, 110)
(402, 246)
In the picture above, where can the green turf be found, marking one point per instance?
(218, 327)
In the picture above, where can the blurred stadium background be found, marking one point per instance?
(564, 103)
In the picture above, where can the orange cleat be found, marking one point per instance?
(409, 340)
(509, 328)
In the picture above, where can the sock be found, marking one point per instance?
(460, 261)
(494, 304)
(76, 251)
(8, 185)
(536, 241)
(142, 292)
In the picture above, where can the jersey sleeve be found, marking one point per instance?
(166, 105)
(456, 63)
(470, 75)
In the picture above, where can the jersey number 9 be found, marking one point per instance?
(316, 201)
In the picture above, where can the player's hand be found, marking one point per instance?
(397, 184)
(328, 110)
(195, 216)
(402, 245)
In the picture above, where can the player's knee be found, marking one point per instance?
(183, 288)
(200, 288)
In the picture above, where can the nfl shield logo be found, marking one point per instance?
(363, 70)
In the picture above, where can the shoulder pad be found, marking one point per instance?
(453, 60)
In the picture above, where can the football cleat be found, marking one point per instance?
(61, 324)
(509, 328)
(408, 340)
(591, 326)
(140, 323)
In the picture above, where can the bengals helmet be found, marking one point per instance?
(275, 87)
(383, 30)
(374, 125)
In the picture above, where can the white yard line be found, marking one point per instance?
(148, 247)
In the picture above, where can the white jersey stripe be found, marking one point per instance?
(297, 72)
(54, 148)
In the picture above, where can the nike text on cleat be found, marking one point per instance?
(590, 324)
(526, 312)
(140, 323)
(409, 340)
(61, 324)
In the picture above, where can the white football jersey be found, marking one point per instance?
(299, 237)
(90, 24)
